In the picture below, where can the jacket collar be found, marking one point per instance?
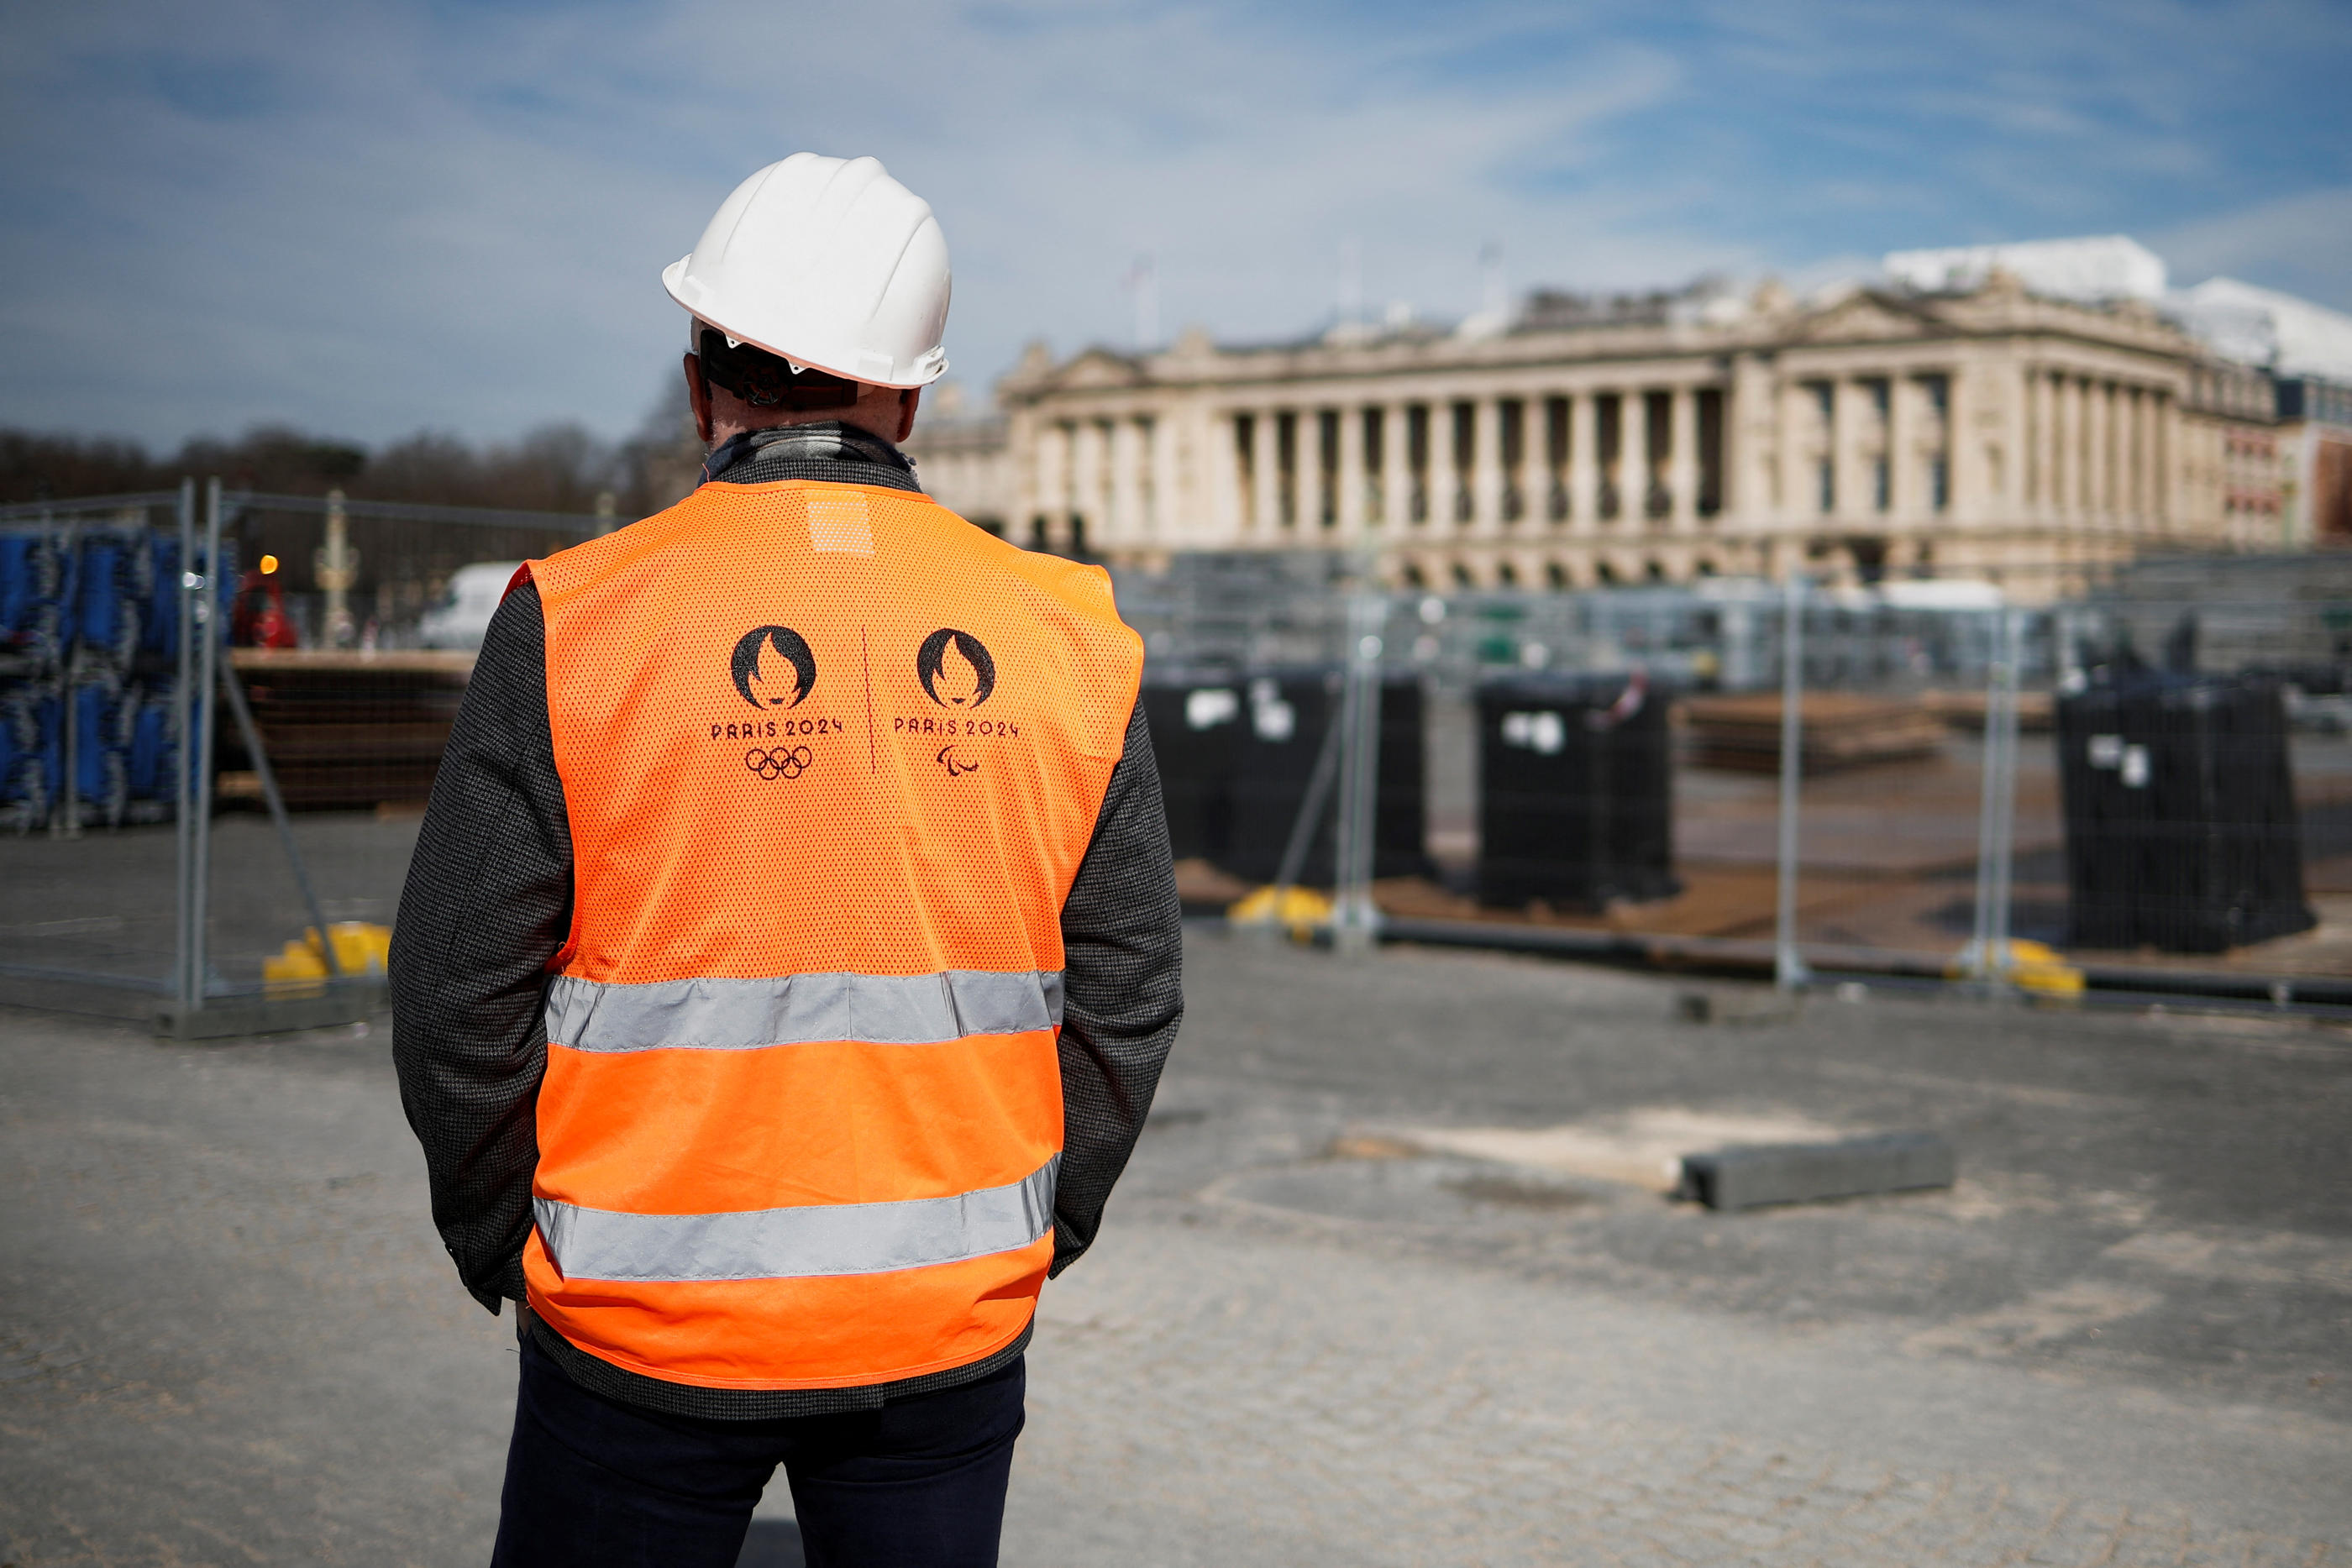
(828, 450)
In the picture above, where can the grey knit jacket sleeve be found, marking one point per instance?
(488, 904)
(1122, 990)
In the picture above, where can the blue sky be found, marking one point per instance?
(369, 220)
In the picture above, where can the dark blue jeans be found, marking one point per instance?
(594, 1483)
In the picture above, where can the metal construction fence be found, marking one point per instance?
(2139, 794)
(221, 713)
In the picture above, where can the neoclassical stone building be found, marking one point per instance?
(1985, 432)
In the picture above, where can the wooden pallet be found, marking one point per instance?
(1839, 729)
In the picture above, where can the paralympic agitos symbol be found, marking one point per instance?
(955, 669)
(792, 647)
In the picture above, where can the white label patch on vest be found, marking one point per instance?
(838, 525)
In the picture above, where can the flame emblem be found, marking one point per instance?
(956, 670)
(757, 679)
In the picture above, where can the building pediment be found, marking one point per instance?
(1098, 369)
(1862, 317)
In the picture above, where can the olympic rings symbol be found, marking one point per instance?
(778, 762)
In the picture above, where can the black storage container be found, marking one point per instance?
(1401, 810)
(1285, 715)
(2181, 830)
(1196, 722)
(1575, 791)
(1236, 756)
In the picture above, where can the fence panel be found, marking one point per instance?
(2201, 736)
(207, 750)
(315, 671)
(2145, 792)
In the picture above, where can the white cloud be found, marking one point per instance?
(366, 220)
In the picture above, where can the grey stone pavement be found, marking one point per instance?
(228, 1335)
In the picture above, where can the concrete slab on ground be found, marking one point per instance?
(228, 1333)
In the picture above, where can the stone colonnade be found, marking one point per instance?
(1891, 466)
(1484, 465)
(2097, 449)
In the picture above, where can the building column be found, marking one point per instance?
(2167, 475)
(1906, 478)
(1485, 464)
(2120, 442)
(1682, 459)
(1221, 471)
(1025, 437)
(2128, 457)
(2095, 427)
(1845, 448)
(2062, 478)
(1100, 503)
(2033, 474)
(1583, 462)
(1123, 486)
(1054, 462)
(1396, 476)
(1265, 492)
(1351, 472)
(1748, 434)
(2067, 430)
(2081, 462)
(1995, 488)
(1160, 472)
(1633, 461)
(2129, 446)
(1969, 395)
(1798, 501)
(2103, 452)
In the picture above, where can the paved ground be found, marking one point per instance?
(228, 1335)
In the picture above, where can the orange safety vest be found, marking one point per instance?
(831, 757)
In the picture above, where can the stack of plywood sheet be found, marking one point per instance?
(1966, 710)
(1841, 729)
(346, 728)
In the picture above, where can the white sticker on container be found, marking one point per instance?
(1271, 717)
(1211, 707)
(1541, 732)
(2134, 765)
(2106, 751)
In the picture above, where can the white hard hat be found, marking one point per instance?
(827, 262)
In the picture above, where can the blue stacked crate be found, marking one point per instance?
(112, 567)
(37, 581)
(127, 632)
(32, 761)
(36, 584)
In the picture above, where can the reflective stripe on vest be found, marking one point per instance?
(831, 757)
(798, 1243)
(797, 1009)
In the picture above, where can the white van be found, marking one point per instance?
(463, 613)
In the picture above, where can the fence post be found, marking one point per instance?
(1976, 961)
(1987, 960)
(205, 625)
(2012, 660)
(183, 808)
(1354, 921)
(1789, 970)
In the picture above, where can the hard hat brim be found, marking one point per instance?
(675, 282)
